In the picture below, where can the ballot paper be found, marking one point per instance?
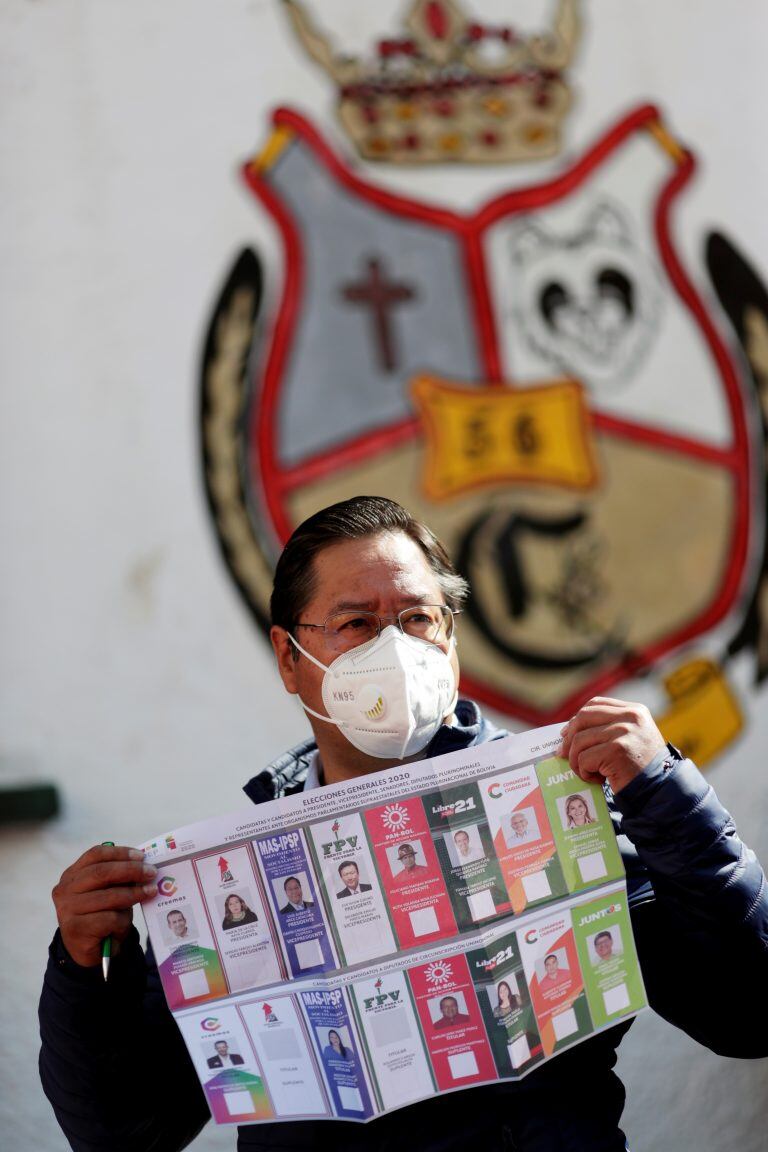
(353, 949)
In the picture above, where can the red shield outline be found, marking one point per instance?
(275, 483)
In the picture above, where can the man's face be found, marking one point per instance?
(407, 859)
(461, 840)
(519, 824)
(382, 574)
(604, 947)
(177, 924)
(551, 965)
(222, 1047)
(350, 876)
(293, 891)
(449, 1008)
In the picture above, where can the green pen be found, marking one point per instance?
(106, 944)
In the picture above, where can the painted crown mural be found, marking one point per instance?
(512, 375)
(451, 88)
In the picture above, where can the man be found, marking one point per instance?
(296, 901)
(465, 852)
(450, 1017)
(554, 976)
(365, 573)
(224, 1058)
(177, 922)
(518, 822)
(411, 871)
(603, 945)
(350, 878)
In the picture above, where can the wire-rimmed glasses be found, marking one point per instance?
(345, 630)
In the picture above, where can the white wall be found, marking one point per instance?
(129, 672)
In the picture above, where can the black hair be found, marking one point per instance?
(352, 519)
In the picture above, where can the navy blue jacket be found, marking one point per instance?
(117, 1073)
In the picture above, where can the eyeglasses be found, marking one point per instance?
(345, 630)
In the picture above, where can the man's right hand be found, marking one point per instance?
(95, 896)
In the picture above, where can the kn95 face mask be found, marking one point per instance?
(389, 696)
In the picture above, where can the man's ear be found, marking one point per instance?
(285, 653)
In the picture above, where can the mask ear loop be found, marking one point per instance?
(452, 706)
(324, 668)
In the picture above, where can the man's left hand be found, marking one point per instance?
(611, 740)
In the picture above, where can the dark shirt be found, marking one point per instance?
(353, 891)
(694, 889)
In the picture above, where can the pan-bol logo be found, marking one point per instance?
(531, 936)
(439, 972)
(166, 885)
(210, 1024)
(395, 817)
(495, 791)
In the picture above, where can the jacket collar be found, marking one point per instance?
(286, 775)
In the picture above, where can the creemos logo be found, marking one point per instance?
(531, 936)
(166, 885)
(495, 791)
(210, 1024)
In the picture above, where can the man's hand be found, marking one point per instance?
(95, 896)
(611, 740)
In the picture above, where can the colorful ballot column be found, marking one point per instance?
(227, 1065)
(293, 892)
(281, 1039)
(358, 912)
(452, 1023)
(555, 981)
(581, 822)
(505, 1003)
(244, 935)
(337, 1045)
(187, 958)
(606, 949)
(410, 873)
(522, 837)
(400, 1069)
(464, 847)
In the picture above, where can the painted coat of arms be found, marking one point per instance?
(539, 379)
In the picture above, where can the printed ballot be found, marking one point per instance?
(353, 949)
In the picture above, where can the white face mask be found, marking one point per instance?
(388, 696)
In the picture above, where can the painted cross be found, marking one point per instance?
(381, 296)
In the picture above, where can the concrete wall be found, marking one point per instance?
(131, 675)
